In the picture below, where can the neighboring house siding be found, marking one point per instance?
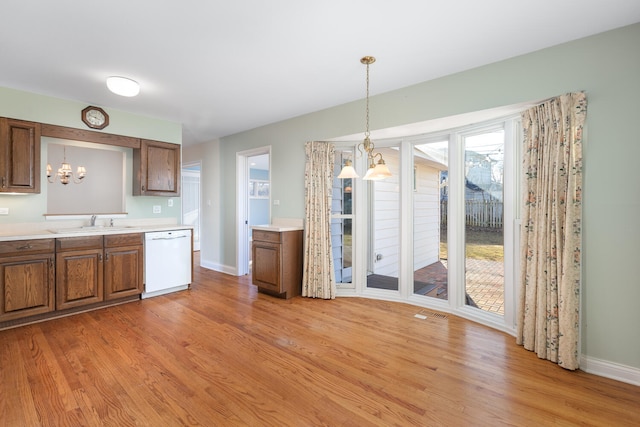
(387, 219)
(426, 223)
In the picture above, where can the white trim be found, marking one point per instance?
(612, 370)
(226, 269)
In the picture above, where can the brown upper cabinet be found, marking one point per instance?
(20, 156)
(156, 169)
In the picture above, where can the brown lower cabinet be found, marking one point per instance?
(277, 262)
(26, 278)
(79, 271)
(123, 265)
(98, 268)
(40, 277)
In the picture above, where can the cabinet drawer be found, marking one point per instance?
(266, 236)
(19, 247)
(73, 243)
(115, 240)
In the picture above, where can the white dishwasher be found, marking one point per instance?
(167, 262)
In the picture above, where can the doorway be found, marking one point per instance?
(191, 206)
(254, 200)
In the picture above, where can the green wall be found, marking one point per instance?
(44, 109)
(606, 66)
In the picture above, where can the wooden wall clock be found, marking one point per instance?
(95, 117)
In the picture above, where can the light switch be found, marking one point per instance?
(170, 203)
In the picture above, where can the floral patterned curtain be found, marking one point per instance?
(318, 277)
(549, 298)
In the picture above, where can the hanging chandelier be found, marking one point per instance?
(377, 170)
(65, 172)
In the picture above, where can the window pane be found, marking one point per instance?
(341, 223)
(341, 243)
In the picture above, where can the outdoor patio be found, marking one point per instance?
(485, 282)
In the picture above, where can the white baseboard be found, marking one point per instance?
(219, 267)
(614, 371)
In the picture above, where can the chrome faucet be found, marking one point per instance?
(93, 220)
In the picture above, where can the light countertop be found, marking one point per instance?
(281, 224)
(53, 232)
(277, 228)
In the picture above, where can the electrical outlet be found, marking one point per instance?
(4, 211)
(276, 202)
(157, 209)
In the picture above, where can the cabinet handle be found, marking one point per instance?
(143, 189)
(100, 257)
(4, 182)
(106, 257)
(22, 248)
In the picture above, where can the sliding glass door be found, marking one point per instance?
(430, 200)
(484, 219)
(383, 224)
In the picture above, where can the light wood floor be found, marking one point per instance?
(223, 355)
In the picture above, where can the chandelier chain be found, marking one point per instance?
(366, 132)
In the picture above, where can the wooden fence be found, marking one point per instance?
(478, 213)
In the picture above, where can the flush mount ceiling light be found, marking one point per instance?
(123, 86)
(377, 170)
(65, 172)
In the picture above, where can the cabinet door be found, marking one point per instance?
(156, 169)
(266, 265)
(123, 272)
(79, 278)
(20, 163)
(26, 286)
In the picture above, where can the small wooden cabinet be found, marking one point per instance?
(156, 169)
(277, 262)
(19, 156)
(123, 264)
(26, 278)
(79, 271)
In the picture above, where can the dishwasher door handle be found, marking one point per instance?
(168, 238)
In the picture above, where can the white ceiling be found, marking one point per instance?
(221, 67)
